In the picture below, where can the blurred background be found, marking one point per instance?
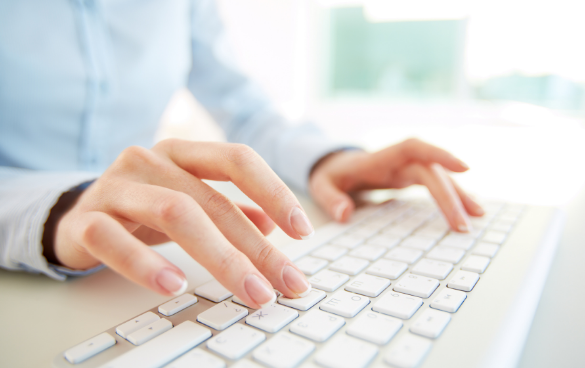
(500, 83)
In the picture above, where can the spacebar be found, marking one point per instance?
(164, 348)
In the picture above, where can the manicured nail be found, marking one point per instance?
(172, 282)
(464, 165)
(301, 224)
(259, 291)
(339, 210)
(296, 281)
(461, 221)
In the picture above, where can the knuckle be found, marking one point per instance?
(266, 255)
(132, 157)
(278, 192)
(172, 207)
(91, 230)
(241, 154)
(229, 261)
(219, 207)
(166, 144)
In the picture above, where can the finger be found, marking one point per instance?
(417, 150)
(471, 206)
(247, 170)
(337, 203)
(107, 240)
(149, 236)
(258, 218)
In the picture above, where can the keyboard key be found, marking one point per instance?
(329, 252)
(347, 241)
(197, 358)
(458, 240)
(405, 255)
(387, 268)
(400, 230)
(235, 299)
(502, 225)
(178, 304)
(418, 242)
(349, 265)
(346, 352)
(446, 254)
(245, 363)
(213, 291)
(283, 351)
(432, 232)
(328, 280)
(375, 328)
(89, 348)
(310, 265)
(367, 285)
(345, 304)
(136, 324)
(272, 319)
(408, 352)
(398, 305)
(317, 325)
(368, 252)
(449, 300)
(431, 323)
(479, 223)
(420, 286)
(305, 303)
(364, 231)
(384, 240)
(164, 348)
(435, 269)
(493, 236)
(149, 332)
(486, 249)
(463, 280)
(476, 264)
(223, 315)
(236, 341)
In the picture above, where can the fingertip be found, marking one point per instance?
(342, 211)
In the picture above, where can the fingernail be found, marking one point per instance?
(296, 281)
(172, 282)
(301, 224)
(464, 164)
(339, 210)
(461, 221)
(259, 291)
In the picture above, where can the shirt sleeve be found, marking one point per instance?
(242, 110)
(26, 198)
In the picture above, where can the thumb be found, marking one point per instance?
(333, 200)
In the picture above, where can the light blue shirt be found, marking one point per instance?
(80, 80)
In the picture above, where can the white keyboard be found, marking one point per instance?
(393, 288)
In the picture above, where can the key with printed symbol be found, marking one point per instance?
(387, 269)
(213, 291)
(136, 324)
(486, 249)
(449, 300)
(476, 264)
(329, 252)
(463, 280)
(398, 305)
(367, 285)
(328, 280)
(349, 265)
(446, 254)
(430, 323)
(89, 348)
(222, 315)
(178, 304)
(311, 265)
(346, 352)
(236, 341)
(197, 358)
(317, 325)
(283, 351)
(458, 240)
(304, 303)
(408, 352)
(431, 268)
(345, 304)
(418, 242)
(368, 252)
(374, 327)
(405, 255)
(272, 319)
(149, 332)
(420, 286)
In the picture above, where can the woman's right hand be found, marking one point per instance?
(153, 196)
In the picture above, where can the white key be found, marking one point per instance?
(408, 352)
(508, 216)
(486, 249)
(418, 242)
(398, 305)
(283, 351)
(479, 223)
(502, 225)
(431, 323)
(446, 254)
(345, 304)
(449, 300)
(463, 280)
(164, 348)
(401, 230)
(420, 286)
(310, 265)
(374, 327)
(178, 304)
(346, 352)
(432, 232)
(222, 315)
(347, 241)
(493, 236)
(236, 341)
(317, 325)
(405, 255)
(328, 280)
(476, 264)
(349, 265)
(369, 252)
(367, 285)
(304, 303)
(149, 332)
(435, 269)
(458, 240)
(384, 240)
(387, 268)
(136, 324)
(89, 348)
(245, 363)
(329, 252)
(197, 358)
(364, 231)
(235, 299)
(272, 319)
(213, 291)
